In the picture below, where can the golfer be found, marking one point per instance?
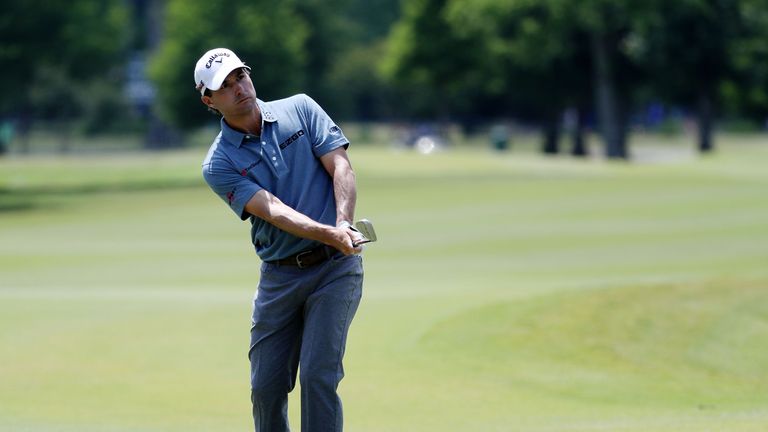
(283, 165)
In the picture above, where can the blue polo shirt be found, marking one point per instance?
(284, 161)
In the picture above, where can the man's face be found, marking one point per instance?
(235, 97)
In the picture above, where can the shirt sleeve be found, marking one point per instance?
(324, 133)
(232, 187)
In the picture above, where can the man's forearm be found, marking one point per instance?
(269, 208)
(345, 192)
(337, 165)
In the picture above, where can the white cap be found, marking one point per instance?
(214, 66)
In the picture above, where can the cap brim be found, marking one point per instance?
(222, 74)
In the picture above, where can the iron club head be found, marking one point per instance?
(365, 227)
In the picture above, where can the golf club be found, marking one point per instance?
(365, 227)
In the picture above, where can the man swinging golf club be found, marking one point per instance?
(283, 165)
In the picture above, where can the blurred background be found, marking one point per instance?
(563, 69)
(571, 199)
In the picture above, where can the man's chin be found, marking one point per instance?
(245, 105)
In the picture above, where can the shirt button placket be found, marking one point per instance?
(274, 158)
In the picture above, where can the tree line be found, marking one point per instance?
(602, 58)
(461, 61)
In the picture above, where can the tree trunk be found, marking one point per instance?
(623, 119)
(607, 101)
(579, 148)
(551, 134)
(706, 144)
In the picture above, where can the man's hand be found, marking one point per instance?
(351, 237)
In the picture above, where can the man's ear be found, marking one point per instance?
(207, 101)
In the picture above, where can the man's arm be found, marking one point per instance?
(339, 168)
(268, 207)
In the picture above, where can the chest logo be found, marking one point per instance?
(292, 139)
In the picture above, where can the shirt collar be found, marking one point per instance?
(236, 137)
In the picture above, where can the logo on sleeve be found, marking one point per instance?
(334, 130)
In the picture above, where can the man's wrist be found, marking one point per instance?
(346, 225)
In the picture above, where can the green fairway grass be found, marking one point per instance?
(507, 292)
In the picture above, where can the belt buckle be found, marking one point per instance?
(298, 259)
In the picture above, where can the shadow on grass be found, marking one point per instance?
(20, 199)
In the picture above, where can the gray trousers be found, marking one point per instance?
(301, 317)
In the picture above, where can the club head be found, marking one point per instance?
(366, 229)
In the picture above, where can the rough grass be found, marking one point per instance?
(508, 292)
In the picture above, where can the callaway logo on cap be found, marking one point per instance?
(214, 66)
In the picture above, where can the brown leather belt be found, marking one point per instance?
(308, 258)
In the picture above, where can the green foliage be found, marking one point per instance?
(684, 46)
(534, 53)
(537, 57)
(76, 41)
(440, 69)
(361, 91)
(529, 57)
(328, 37)
(292, 46)
(54, 95)
(370, 20)
(745, 93)
(92, 38)
(361, 59)
(107, 111)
